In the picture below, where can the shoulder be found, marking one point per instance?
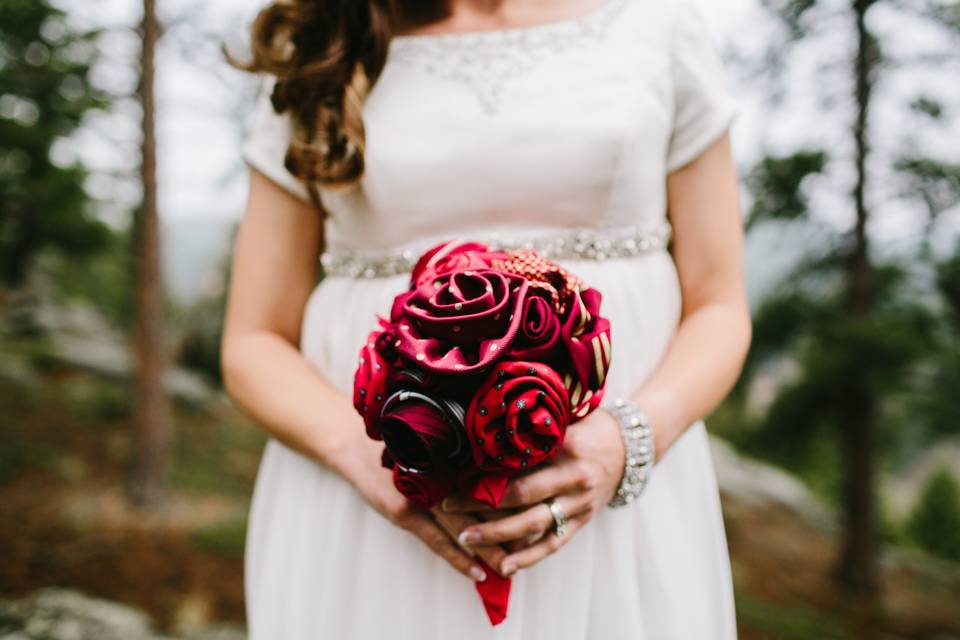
(267, 137)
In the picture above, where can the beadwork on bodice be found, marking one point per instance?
(485, 61)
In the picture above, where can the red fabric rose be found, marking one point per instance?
(454, 255)
(539, 333)
(459, 322)
(517, 420)
(587, 336)
(370, 384)
(423, 490)
(421, 433)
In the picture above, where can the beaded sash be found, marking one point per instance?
(557, 244)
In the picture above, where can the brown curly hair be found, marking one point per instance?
(326, 55)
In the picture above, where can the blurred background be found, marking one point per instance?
(126, 474)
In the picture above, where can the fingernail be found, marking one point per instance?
(477, 574)
(447, 504)
(508, 568)
(468, 537)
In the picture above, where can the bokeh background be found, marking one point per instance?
(125, 473)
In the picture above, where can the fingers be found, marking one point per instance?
(533, 554)
(530, 523)
(564, 476)
(422, 526)
(454, 524)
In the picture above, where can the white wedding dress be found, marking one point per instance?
(527, 131)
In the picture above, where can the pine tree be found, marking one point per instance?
(45, 92)
(849, 314)
(152, 429)
(935, 521)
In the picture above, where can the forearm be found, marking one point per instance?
(700, 367)
(270, 380)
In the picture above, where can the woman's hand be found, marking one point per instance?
(438, 530)
(582, 480)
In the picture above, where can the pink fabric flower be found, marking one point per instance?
(459, 322)
(454, 255)
(370, 384)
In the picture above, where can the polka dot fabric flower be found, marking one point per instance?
(460, 322)
(370, 383)
(517, 419)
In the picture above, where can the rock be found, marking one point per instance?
(63, 614)
(77, 335)
(756, 483)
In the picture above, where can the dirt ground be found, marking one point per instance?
(64, 522)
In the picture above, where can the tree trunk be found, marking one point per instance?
(857, 566)
(152, 418)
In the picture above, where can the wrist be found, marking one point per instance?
(665, 415)
(341, 443)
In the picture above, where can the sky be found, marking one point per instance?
(203, 104)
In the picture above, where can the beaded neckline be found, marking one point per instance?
(511, 33)
(484, 61)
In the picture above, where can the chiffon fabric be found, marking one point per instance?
(530, 130)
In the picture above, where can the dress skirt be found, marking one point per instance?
(321, 563)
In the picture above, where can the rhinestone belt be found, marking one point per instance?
(555, 244)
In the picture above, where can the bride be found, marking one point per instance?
(593, 130)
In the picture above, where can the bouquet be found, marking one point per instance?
(483, 364)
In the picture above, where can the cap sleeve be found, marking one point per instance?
(703, 105)
(265, 142)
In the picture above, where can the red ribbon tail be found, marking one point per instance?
(489, 489)
(495, 594)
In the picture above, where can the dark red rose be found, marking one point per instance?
(459, 322)
(587, 336)
(421, 433)
(424, 490)
(539, 335)
(452, 256)
(518, 417)
(386, 460)
(370, 384)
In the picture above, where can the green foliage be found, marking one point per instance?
(935, 521)
(203, 329)
(200, 345)
(948, 284)
(791, 12)
(103, 278)
(776, 184)
(44, 94)
(936, 184)
(785, 622)
(227, 537)
(930, 107)
(935, 407)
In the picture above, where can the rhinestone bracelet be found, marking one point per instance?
(638, 440)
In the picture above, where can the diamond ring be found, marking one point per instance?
(559, 517)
